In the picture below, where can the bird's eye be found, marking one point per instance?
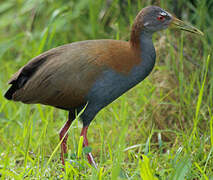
(161, 18)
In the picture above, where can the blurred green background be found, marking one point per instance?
(168, 117)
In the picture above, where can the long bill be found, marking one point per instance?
(177, 23)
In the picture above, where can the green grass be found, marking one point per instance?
(161, 129)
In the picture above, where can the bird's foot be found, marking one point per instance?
(91, 160)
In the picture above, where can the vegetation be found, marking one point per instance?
(161, 129)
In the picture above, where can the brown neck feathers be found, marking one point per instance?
(137, 27)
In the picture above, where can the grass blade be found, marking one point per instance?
(146, 171)
(200, 97)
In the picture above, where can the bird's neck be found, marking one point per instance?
(146, 44)
(147, 54)
(141, 42)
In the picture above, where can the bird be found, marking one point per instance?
(84, 77)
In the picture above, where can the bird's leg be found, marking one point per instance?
(85, 144)
(62, 133)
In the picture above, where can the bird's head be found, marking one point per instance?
(153, 18)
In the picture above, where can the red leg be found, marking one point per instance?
(85, 144)
(63, 131)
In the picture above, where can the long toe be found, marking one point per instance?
(91, 160)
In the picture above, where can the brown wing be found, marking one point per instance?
(63, 76)
(60, 77)
(23, 74)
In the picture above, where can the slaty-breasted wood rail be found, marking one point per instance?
(92, 73)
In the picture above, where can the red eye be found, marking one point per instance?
(161, 18)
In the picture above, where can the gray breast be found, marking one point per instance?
(111, 84)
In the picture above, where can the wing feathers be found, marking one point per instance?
(63, 76)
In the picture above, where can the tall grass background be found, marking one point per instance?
(161, 129)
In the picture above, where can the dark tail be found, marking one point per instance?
(9, 94)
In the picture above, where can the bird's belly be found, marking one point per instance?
(109, 87)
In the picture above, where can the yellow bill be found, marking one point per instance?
(177, 23)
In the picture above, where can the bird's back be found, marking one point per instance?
(63, 76)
